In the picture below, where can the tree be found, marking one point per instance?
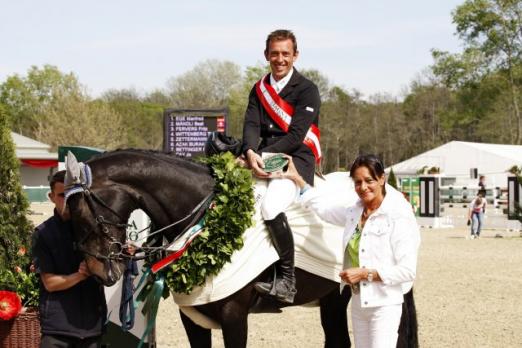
(15, 229)
(392, 179)
(207, 85)
(492, 36)
(492, 103)
(25, 97)
(429, 112)
(320, 80)
(385, 122)
(158, 97)
(141, 120)
(238, 97)
(75, 120)
(341, 124)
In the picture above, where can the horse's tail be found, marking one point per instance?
(408, 332)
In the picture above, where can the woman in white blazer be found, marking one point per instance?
(381, 242)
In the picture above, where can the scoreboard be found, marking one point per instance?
(187, 130)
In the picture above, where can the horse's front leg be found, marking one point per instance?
(198, 336)
(334, 318)
(234, 324)
(408, 329)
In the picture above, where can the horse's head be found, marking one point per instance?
(100, 231)
(99, 214)
(102, 195)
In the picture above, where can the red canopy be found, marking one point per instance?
(40, 163)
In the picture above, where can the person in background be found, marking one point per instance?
(380, 243)
(73, 309)
(477, 209)
(482, 183)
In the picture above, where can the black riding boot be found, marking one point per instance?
(283, 241)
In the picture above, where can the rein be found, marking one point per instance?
(120, 252)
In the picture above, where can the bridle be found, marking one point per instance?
(116, 248)
(120, 251)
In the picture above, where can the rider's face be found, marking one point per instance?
(281, 56)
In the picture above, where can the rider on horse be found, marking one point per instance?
(282, 117)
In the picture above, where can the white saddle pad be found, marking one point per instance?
(318, 245)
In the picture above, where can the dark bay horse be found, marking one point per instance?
(167, 188)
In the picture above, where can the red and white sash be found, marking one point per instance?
(281, 113)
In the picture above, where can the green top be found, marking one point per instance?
(352, 249)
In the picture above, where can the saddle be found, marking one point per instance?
(317, 245)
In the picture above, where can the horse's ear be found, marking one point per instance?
(72, 170)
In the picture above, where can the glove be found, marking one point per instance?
(469, 222)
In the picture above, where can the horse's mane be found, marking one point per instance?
(168, 157)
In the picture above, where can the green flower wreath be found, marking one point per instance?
(224, 226)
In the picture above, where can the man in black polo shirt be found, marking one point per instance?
(72, 304)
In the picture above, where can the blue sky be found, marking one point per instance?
(374, 46)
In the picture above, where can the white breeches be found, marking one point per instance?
(375, 327)
(280, 194)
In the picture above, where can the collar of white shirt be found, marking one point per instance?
(279, 85)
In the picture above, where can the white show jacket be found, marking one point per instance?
(389, 243)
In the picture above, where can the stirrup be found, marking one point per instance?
(262, 287)
(287, 296)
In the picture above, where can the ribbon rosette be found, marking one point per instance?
(10, 305)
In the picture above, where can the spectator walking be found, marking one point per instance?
(477, 209)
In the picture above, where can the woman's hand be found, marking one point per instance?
(291, 173)
(354, 275)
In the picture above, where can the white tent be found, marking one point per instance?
(457, 159)
(27, 148)
(37, 161)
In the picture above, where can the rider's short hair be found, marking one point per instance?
(280, 35)
(59, 176)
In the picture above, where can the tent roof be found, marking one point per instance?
(27, 148)
(512, 152)
(457, 157)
